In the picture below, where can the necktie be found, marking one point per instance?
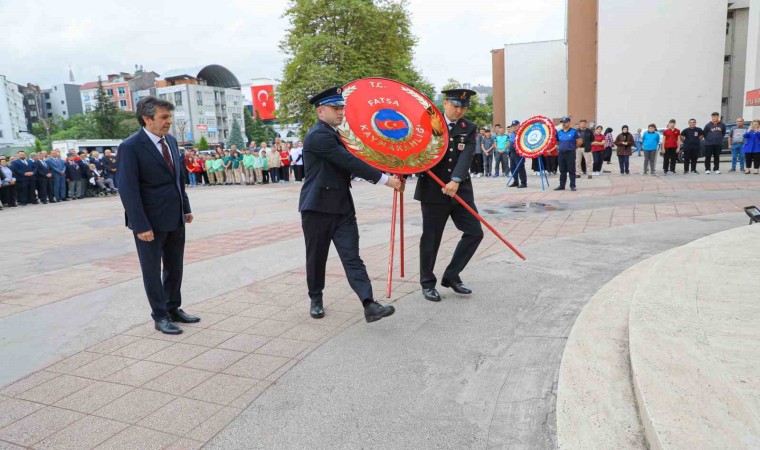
(451, 125)
(167, 156)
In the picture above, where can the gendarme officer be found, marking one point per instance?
(327, 208)
(438, 204)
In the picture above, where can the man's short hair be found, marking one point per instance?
(147, 107)
(583, 120)
(715, 114)
(652, 125)
(672, 121)
(498, 125)
(692, 120)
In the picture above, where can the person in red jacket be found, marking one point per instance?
(671, 149)
(285, 167)
(598, 146)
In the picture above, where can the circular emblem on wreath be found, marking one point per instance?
(391, 125)
(535, 136)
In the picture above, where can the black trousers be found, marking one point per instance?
(285, 173)
(599, 159)
(26, 191)
(669, 160)
(8, 193)
(321, 229)
(521, 174)
(162, 284)
(551, 164)
(714, 152)
(298, 172)
(566, 166)
(204, 177)
(690, 156)
(43, 189)
(749, 158)
(434, 218)
(477, 163)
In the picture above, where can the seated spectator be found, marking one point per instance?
(97, 179)
(7, 185)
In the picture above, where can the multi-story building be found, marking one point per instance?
(119, 87)
(13, 126)
(62, 100)
(33, 105)
(207, 101)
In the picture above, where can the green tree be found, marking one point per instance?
(128, 124)
(106, 115)
(259, 131)
(235, 138)
(332, 42)
(37, 145)
(203, 144)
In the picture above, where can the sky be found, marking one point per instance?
(44, 37)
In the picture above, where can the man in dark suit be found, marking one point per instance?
(43, 177)
(24, 171)
(327, 208)
(74, 178)
(156, 209)
(438, 205)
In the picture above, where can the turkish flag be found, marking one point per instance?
(391, 124)
(263, 101)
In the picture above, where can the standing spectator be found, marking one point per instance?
(58, 169)
(598, 147)
(650, 142)
(609, 144)
(43, 156)
(477, 161)
(487, 145)
(264, 163)
(227, 164)
(552, 160)
(210, 169)
(44, 177)
(24, 173)
(248, 167)
(583, 154)
(84, 156)
(501, 155)
(97, 160)
(568, 140)
(624, 143)
(637, 141)
(671, 150)
(284, 164)
(219, 172)
(109, 165)
(275, 162)
(296, 155)
(7, 185)
(690, 140)
(519, 173)
(715, 130)
(204, 170)
(735, 143)
(258, 164)
(752, 147)
(237, 170)
(74, 178)
(192, 168)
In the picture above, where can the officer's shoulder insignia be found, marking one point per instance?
(464, 124)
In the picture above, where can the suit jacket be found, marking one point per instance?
(153, 197)
(328, 166)
(56, 165)
(19, 169)
(456, 163)
(43, 170)
(98, 163)
(108, 164)
(73, 173)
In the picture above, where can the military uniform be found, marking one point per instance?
(327, 210)
(438, 207)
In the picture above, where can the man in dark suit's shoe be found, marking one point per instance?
(150, 174)
(374, 311)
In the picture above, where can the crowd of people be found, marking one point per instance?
(496, 155)
(262, 164)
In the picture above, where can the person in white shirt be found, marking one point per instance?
(98, 179)
(296, 155)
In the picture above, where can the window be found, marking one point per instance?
(50, 114)
(49, 105)
(1, 133)
(63, 102)
(109, 92)
(64, 113)
(55, 87)
(178, 98)
(725, 100)
(200, 98)
(727, 58)
(122, 104)
(122, 91)
(162, 96)
(47, 95)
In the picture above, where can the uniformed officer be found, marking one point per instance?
(438, 205)
(514, 159)
(327, 208)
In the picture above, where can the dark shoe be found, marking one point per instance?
(317, 311)
(431, 294)
(166, 326)
(457, 287)
(513, 184)
(182, 317)
(375, 311)
(522, 186)
(559, 189)
(573, 189)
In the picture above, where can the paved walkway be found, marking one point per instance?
(74, 299)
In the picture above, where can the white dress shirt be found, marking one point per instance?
(156, 142)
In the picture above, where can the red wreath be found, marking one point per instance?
(547, 148)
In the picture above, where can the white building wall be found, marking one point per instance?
(535, 78)
(737, 50)
(12, 119)
(659, 60)
(752, 74)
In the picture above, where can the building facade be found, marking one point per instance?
(62, 100)
(13, 126)
(119, 87)
(33, 105)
